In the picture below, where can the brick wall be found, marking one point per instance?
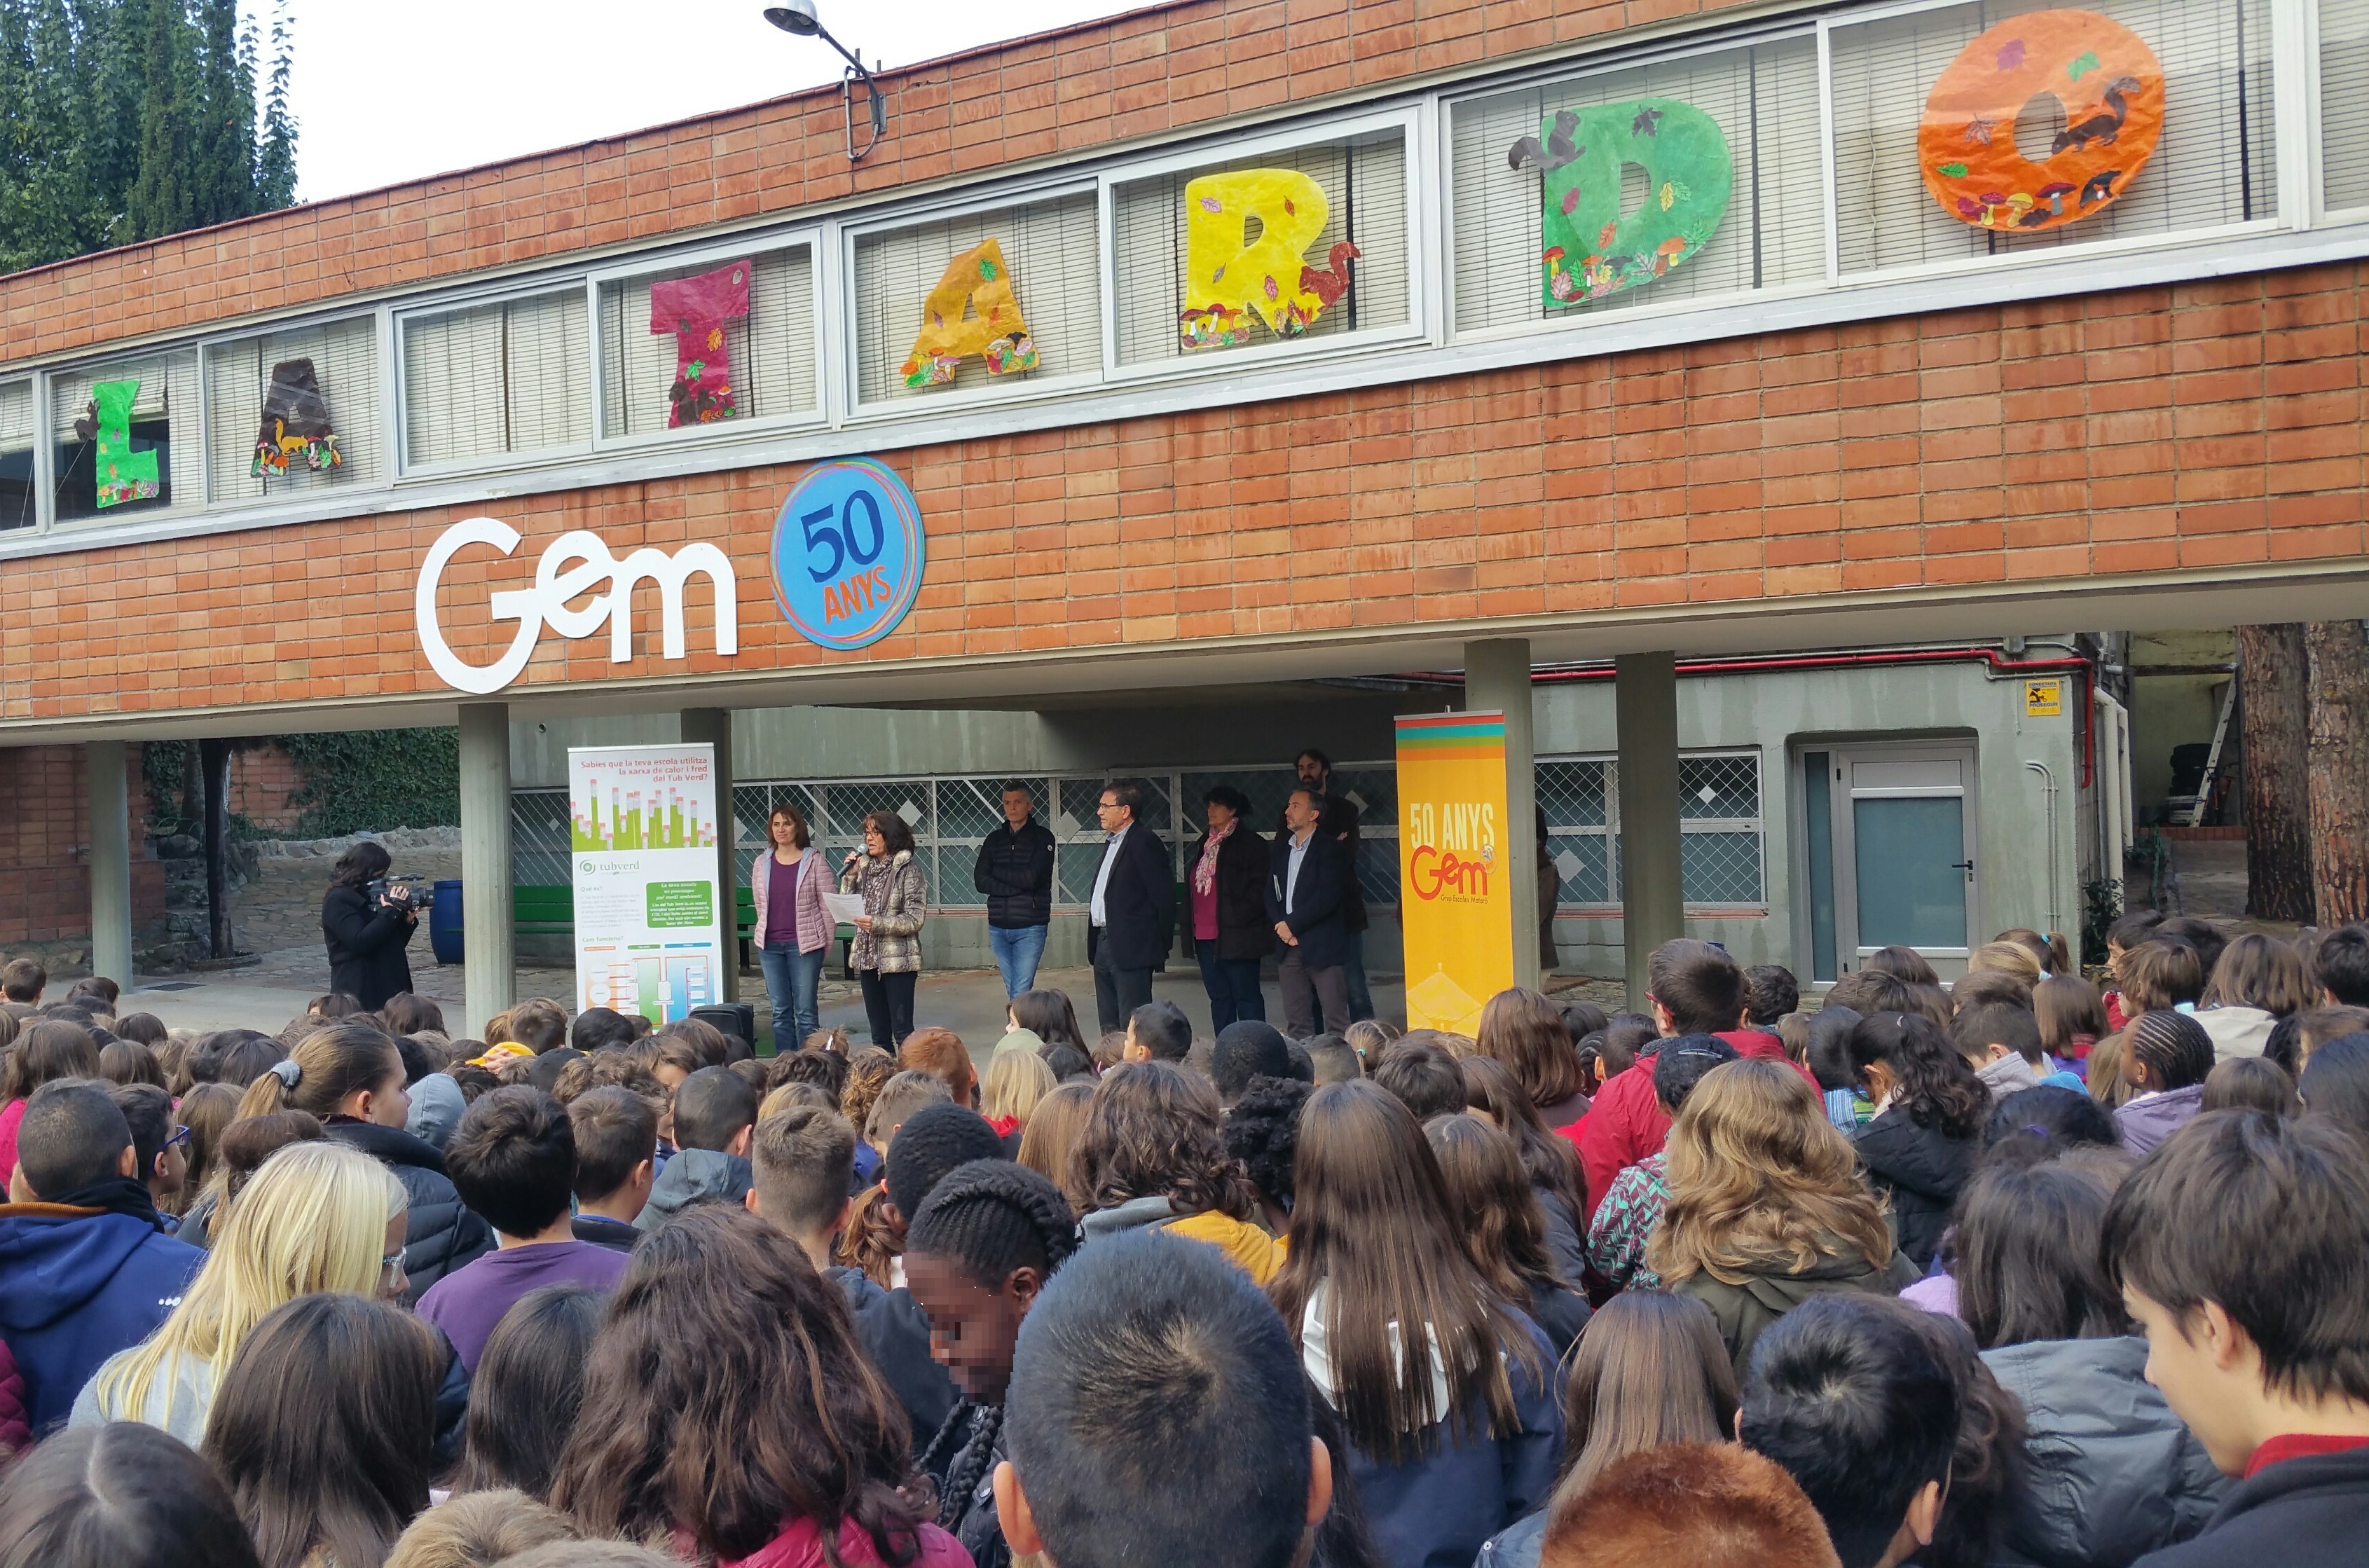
(2188, 428)
(260, 782)
(1153, 70)
(45, 847)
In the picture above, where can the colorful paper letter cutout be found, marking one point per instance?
(123, 475)
(1226, 280)
(296, 423)
(2111, 86)
(695, 310)
(995, 330)
(1592, 250)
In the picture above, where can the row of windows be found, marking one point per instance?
(1101, 271)
(1721, 842)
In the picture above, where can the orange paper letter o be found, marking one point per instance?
(2111, 86)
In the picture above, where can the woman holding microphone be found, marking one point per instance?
(887, 951)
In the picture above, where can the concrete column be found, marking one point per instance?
(109, 862)
(713, 726)
(1497, 675)
(489, 970)
(1653, 908)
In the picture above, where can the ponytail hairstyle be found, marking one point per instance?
(2173, 1048)
(2054, 956)
(327, 1068)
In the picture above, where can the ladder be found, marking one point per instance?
(2213, 758)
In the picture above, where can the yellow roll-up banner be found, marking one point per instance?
(1455, 902)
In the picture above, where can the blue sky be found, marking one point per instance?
(390, 93)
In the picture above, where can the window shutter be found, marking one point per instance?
(2215, 164)
(2344, 104)
(1053, 250)
(238, 375)
(771, 347)
(506, 377)
(169, 395)
(1765, 100)
(17, 508)
(1364, 186)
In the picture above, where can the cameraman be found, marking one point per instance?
(367, 926)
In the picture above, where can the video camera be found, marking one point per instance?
(403, 892)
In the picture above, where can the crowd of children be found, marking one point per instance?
(2011, 1271)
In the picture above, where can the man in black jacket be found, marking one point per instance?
(1133, 909)
(1306, 897)
(2242, 1248)
(1337, 819)
(1016, 872)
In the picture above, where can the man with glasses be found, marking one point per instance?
(1133, 911)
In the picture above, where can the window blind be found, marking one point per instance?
(2344, 104)
(508, 377)
(1364, 186)
(17, 508)
(1053, 251)
(2216, 163)
(166, 408)
(771, 347)
(1765, 98)
(238, 375)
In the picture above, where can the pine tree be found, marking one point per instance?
(125, 119)
(275, 163)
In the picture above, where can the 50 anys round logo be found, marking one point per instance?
(848, 553)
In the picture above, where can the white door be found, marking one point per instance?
(1903, 837)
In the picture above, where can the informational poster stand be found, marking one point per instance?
(1455, 904)
(643, 822)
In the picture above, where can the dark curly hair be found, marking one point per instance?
(1931, 1080)
(1153, 1127)
(1263, 1131)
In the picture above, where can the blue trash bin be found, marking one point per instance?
(444, 921)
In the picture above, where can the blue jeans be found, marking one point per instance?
(794, 982)
(1232, 985)
(1017, 951)
(1361, 999)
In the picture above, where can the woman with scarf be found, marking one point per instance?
(1227, 892)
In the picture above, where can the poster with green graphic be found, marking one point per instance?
(643, 835)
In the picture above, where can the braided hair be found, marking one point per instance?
(991, 1217)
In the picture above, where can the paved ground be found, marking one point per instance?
(969, 1001)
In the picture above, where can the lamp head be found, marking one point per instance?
(798, 17)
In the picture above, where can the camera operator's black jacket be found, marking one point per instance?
(366, 947)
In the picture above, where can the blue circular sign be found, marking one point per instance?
(848, 553)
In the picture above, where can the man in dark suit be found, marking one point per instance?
(1337, 819)
(1306, 897)
(1133, 909)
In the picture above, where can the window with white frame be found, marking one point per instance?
(2344, 104)
(1052, 257)
(507, 377)
(1364, 180)
(345, 371)
(768, 345)
(149, 406)
(1722, 845)
(2214, 166)
(17, 508)
(1764, 98)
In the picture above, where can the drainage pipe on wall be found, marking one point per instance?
(2048, 782)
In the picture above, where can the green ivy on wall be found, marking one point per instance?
(375, 780)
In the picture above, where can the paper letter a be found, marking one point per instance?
(972, 311)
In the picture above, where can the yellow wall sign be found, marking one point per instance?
(2043, 699)
(1456, 903)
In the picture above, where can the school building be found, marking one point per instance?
(1778, 410)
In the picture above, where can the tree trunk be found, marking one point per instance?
(2273, 707)
(215, 763)
(2339, 770)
